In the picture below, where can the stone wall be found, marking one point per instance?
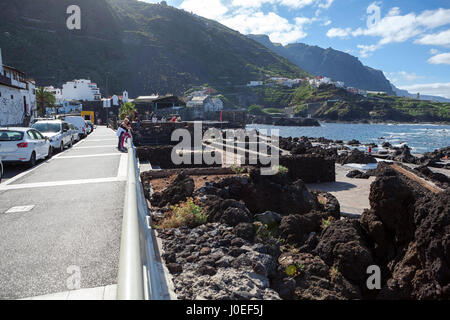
(234, 119)
(162, 156)
(310, 168)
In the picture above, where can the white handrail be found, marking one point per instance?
(141, 274)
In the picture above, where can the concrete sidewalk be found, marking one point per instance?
(61, 222)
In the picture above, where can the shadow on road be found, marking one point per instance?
(332, 186)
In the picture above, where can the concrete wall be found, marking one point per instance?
(11, 110)
(162, 156)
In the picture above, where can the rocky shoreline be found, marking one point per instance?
(270, 238)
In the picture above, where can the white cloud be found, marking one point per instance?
(443, 58)
(278, 28)
(294, 4)
(365, 50)
(437, 39)
(326, 23)
(434, 51)
(434, 89)
(211, 9)
(249, 17)
(402, 76)
(339, 33)
(395, 28)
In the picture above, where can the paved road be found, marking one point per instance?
(74, 223)
(352, 194)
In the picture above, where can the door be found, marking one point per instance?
(42, 145)
(67, 137)
(34, 144)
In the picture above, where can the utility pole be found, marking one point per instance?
(107, 96)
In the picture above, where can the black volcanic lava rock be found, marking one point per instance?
(179, 190)
(356, 156)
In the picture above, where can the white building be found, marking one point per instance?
(57, 93)
(115, 99)
(17, 96)
(83, 90)
(204, 102)
(217, 105)
(107, 103)
(339, 84)
(207, 103)
(318, 81)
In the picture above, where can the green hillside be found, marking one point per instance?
(335, 104)
(145, 48)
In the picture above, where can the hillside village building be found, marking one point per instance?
(83, 90)
(255, 83)
(207, 103)
(17, 96)
(83, 95)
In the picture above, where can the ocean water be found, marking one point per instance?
(420, 137)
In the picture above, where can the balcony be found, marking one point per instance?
(5, 80)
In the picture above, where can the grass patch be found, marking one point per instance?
(334, 273)
(186, 214)
(327, 222)
(281, 170)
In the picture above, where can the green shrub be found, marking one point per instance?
(334, 273)
(281, 170)
(238, 169)
(186, 214)
(326, 223)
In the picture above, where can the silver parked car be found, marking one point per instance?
(57, 131)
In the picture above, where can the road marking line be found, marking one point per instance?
(25, 173)
(98, 140)
(96, 147)
(92, 156)
(123, 166)
(59, 183)
(20, 209)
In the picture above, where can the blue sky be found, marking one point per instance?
(409, 40)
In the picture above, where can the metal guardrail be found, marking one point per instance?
(141, 274)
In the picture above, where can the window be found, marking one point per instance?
(47, 127)
(12, 97)
(32, 134)
(6, 135)
(39, 135)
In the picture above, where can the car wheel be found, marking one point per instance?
(61, 147)
(32, 161)
(1, 171)
(50, 153)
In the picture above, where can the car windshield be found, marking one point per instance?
(47, 127)
(10, 135)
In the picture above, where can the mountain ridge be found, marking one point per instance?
(126, 44)
(338, 65)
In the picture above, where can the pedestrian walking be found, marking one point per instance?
(124, 128)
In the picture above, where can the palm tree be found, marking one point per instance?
(127, 110)
(44, 99)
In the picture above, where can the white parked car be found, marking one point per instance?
(57, 131)
(26, 145)
(79, 123)
(74, 132)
